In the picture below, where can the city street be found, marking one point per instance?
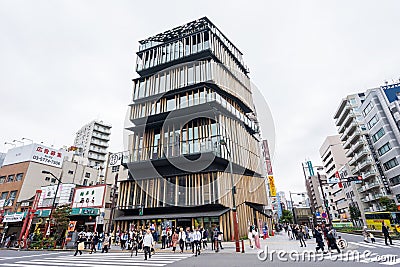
(377, 254)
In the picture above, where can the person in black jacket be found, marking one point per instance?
(79, 240)
(385, 232)
(319, 239)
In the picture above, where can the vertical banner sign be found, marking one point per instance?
(310, 168)
(272, 188)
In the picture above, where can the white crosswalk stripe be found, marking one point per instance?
(101, 260)
(377, 244)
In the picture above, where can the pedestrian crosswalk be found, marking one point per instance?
(100, 260)
(377, 244)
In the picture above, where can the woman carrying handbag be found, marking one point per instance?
(80, 245)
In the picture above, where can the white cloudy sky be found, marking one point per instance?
(65, 63)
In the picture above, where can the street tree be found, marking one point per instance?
(388, 204)
(287, 217)
(61, 220)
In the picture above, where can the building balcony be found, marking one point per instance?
(357, 145)
(352, 138)
(349, 121)
(343, 115)
(101, 136)
(369, 174)
(364, 164)
(358, 156)
(368, 187)
(99, 143)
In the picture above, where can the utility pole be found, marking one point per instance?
(323, 196)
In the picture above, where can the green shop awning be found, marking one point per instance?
(85, 212)
(42, 213)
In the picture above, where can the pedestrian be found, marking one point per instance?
(197, 241)
(124, 239)
(289, 231)
(256, 235)
(220, 238)
(215, 239)
(365, 233)
(332, 240)
(191, 240)
(300, 236)
(319, 238)
(204, 234)
(250, 237)
(147, 244)
(182, 239)
(80, 245)
(100, 243)
(135, 242)
(371, 236)
(385, 232)
(95, 240)
(163, 238)
(174, 240)
(106, 244)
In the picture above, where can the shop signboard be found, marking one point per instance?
(35, 152)
(14, 217)
(89, 197)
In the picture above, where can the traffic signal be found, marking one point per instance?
(326, 203)
(141, 211)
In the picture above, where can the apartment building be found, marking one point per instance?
(333, 158)
(92, 142)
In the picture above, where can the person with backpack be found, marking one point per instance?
(215, 239)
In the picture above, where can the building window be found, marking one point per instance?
(2, 179)
(373, 121)
(13, 194)
(383, 149)
(367, 109)
(70, 172)
(115, 168)
(87, 175)
(10, 178)
(378, 135)
(390, 164)
(4, 195)
(395, 180)
(398, 197)
(19, 177)
(85, 182)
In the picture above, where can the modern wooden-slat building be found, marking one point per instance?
(192, 112)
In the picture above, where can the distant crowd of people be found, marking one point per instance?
(194, 239)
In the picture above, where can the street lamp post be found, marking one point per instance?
(291, 200)
(234, 211)
(54, 200)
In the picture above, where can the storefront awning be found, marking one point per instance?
(42, 213)
(85, 212)
(173, 215)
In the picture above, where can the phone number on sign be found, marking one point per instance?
(46, 160)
